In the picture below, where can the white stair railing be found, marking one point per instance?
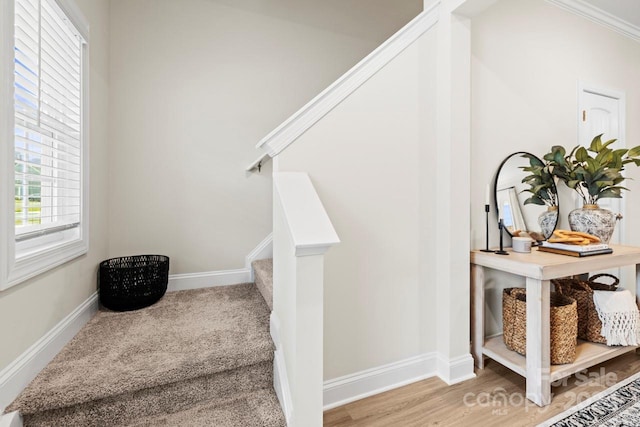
(302, 233)
(285, 134)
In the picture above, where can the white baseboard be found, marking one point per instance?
(458, 369)
(208, 279)
(211, 279)
(343, 390)
(367, 383)
(12, 419)
(264, 250)
(15, 377)
(280, 378)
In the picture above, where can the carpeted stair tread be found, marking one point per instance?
(255, 409)
(263, 269)
(185, 335)
(123, 409)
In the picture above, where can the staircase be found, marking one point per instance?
(200, 357)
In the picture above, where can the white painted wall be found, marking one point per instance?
(528, 56)
(366, 159)
(196, 84)
(258, 64)
(31, 309)
(372, 160)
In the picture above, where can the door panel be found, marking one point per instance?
(601, 115)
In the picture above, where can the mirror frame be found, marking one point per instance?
(495, 188)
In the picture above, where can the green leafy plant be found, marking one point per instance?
(541, 184)
(594, 173)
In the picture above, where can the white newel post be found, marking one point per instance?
(302, 233)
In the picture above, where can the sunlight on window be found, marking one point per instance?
(47, 99)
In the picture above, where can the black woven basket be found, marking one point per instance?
(133, 282)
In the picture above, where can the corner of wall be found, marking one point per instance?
(456, 370)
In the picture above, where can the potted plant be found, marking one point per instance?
(543, 192)
(594, 173)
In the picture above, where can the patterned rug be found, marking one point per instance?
(617, 406)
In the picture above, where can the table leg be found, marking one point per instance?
(477, 314)
(638, 293)
(637, 282)
(538, 346)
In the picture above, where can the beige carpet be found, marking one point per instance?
(197, 347)
(263, 269)
(257, 409)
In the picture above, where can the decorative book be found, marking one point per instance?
(575, 253)
(576, 248)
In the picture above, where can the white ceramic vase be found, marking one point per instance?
(548, 220)
(594, 220)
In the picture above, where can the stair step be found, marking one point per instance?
(189, 342)
(157, 401)
(255, 409)
(263, 269)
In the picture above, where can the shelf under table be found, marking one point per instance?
(587, 355)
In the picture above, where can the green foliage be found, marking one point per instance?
(594, 173)
(540, 181)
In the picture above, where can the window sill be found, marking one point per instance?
(37, 260)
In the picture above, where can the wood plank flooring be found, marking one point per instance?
(494, 398)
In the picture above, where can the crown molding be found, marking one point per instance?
(599, 16)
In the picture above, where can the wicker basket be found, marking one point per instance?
(133, 282)
(589, 324)
(563, 324)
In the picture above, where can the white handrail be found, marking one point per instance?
(281, 137)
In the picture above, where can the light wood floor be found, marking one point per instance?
(432, 403)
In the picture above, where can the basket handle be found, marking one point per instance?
(613, 285)
(563, 286)
(558, 285)
(584, 285)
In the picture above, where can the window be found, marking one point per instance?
(46, 222)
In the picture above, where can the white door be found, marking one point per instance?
(601, 112)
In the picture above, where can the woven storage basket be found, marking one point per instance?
(563, 324)
(133, 282)
(589, 324)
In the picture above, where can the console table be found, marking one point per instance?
(539, 268)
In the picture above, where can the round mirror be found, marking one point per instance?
(526, 197)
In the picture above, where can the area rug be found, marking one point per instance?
(617, 406)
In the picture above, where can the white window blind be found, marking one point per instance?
(48, 120)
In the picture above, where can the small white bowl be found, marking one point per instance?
(521, 244)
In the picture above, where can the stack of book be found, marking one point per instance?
(575, 250)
